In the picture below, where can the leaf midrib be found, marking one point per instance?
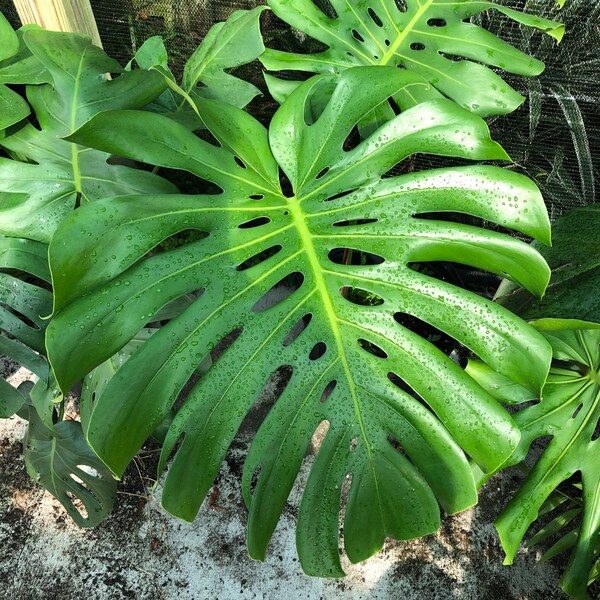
(391, 51)
(306, 238)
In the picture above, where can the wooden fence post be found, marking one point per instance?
(60, 15)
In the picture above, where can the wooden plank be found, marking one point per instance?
(60, 15)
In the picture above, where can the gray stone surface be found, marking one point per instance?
(140, 552)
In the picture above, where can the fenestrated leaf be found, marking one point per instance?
(61, 461)
(35, 195)
(569, 412)
(23, 304)
(574, 289)
(108, 287)
(232, 43)
(424, 36)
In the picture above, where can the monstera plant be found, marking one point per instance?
(569, 411)
(43, 178)
(354, 366)
(427, 37)
(306, 257)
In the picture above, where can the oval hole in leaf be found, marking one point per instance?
(395, 444)
(353, 444)
(297, 329)
(328, 391)
(259, 258)
(207, 136)
(574, 415)
(401, 5)
(328, 9)
(405, 387)
(433, 335)
(360, 296)
(77, 504)
(318, 350)
(254, 480)
(319, 435)
(257, 196)
(436, 22)
(417, 46)
(357, 36)
(352, 140)
(240, 162)
(322, 173)
(596, 433)
(372, 348)
(350, 256)
(452, 57)
(280, 291)
(26, 320)
(354, 222)
(256, 222)
(271, 392)
(339, 195)
(375, 18)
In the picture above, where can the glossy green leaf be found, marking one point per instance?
(569, 412)
(423, 36)
(574, 290)
(275, 294)
(23, 304)
(13, 108)
(230, 44)
(35, 195)
(17, 64)
(61, 461)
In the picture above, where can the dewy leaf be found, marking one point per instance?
(13, 108)
(61, 461)
(274, 292)
(230, 44)
(20, 66)
(23, 304)
(428, 37)
(35, 195)
(574, 290)
(569, 412)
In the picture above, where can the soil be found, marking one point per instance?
(140, 552)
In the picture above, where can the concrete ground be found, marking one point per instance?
(142, 553)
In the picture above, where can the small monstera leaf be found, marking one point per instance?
(24, 301)
(275, 293)
(424, 36)
(48, 176)
(574, 258)
(230, 44)
(60, 459)
(13, 108)
(569, 412)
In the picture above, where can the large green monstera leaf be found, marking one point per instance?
(428, 37)
(569, 411)
(273, 291)
(48, 176)
(24, 302)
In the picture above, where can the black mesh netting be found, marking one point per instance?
(554, 137)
